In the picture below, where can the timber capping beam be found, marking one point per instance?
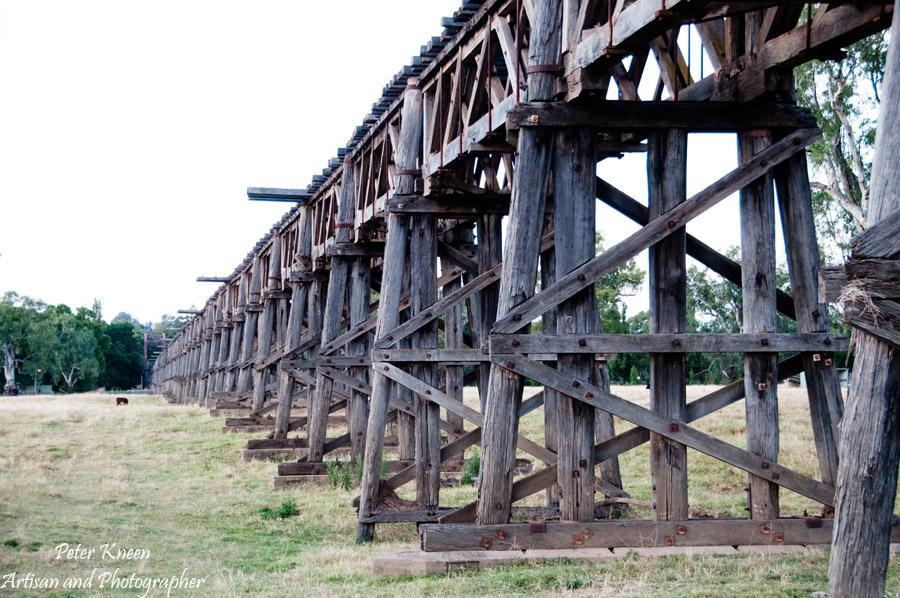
(281, 195)
(450, 205)
(629, 534)
(362, 249)
(652, 116)
(219, 279)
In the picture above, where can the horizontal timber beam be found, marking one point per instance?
(450, 205)
(628, 534)
(219, 279)
(667, 343)
(275, 194)
(364, 249)
(649, 116)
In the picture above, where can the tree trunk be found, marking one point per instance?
(869, 450)
(9, 367)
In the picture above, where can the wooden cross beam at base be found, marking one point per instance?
(630, 534)
(678, 431)
(621, 443)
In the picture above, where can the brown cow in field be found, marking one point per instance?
(121, 401)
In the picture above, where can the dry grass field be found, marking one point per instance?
(164, 479)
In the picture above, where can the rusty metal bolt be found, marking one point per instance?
(761, 387)
(534, 119)
(501, 535)
(582, 342)
(582, 463)
(817, 357)
(828, 363)
(776, 476)
(517, 317)
(510, 365)
(589, 395)
(576, 384)
(778, 538)
(486, 543)
(674, 427)
(680, 530)
(516, 343)
(576, 474)
(669, 541)
(765, 465)
(766, 528)
(764, 342)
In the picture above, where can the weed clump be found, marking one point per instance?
(287, 509)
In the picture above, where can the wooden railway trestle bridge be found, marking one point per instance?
(506, 115)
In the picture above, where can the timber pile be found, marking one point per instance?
(506, 116)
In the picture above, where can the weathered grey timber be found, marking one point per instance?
(423, 292)
(334, 305)
(757, 209)
(497, 132)
(609, 534)
(299, 306)
(826, 404)
(869, 451)
(529, 194)
(389, 305)
(667, 175)
(575, 232)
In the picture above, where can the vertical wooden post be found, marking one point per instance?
(529, 195)
(453, 374)
(225, 340)
(267, 323)
(489, 253)
(423, 292)
(334, 305)
(667, 176)
(358, 409)
(551, 396)
(869, 447)
(822, 385)
(574, 197)
(237, 335)
(406, 156)
(294, 331)
(250, 326)
(757, 210)
(406, 423)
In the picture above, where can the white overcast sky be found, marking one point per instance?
(130, 130)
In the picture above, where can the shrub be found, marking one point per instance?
(472, 469)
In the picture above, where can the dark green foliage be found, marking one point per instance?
(74, 351)
(288, 508)
(124, 357)
(471, 470)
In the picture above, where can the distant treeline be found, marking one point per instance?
(73, 351)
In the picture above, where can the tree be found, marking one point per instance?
(124, 356)
(844, 96)
(17, 315)
(65, 344)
